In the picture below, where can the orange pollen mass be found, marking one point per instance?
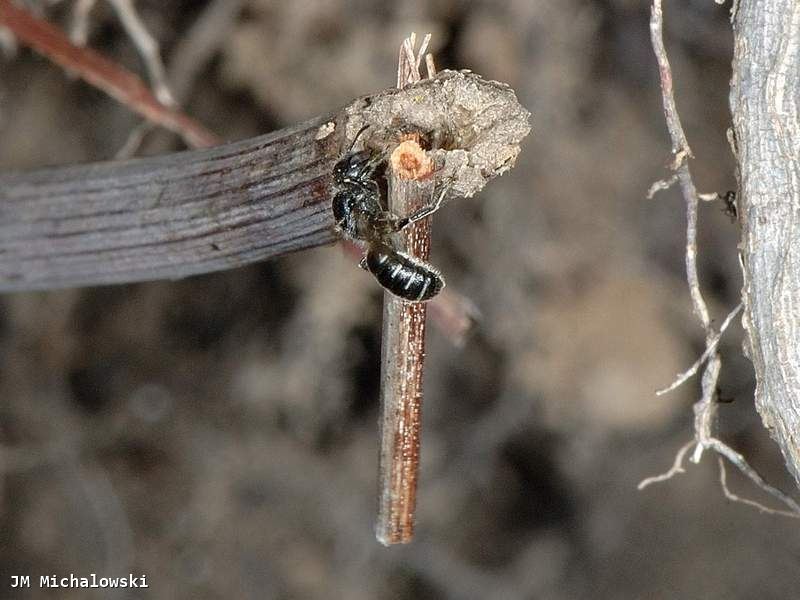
(410, 161)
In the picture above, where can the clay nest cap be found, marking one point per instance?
(474, 127)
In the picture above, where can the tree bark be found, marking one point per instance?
(764, 104)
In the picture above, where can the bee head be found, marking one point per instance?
(355, 167)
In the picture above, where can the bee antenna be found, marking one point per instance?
(355, 139)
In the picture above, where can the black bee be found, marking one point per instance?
(403, 275)
(360, 216)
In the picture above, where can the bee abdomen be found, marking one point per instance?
(403, 275)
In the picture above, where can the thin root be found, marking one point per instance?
(710, 349)
(705, 408)
(677, 467)
(734, 498)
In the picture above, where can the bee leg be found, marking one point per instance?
(386, 222)
(372, 165)
(423, 212)
(363, 263)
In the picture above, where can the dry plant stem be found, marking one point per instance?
(402, 367)
(403, 355)
(137, 32)
(705, 408)
(201, 42)
(134, 141)
(189, 57)
(765, 102)
(79, 28)
(100, 72)
(167, 217)
(147, 47)
(182, 214)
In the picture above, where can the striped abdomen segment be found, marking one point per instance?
(403, 275)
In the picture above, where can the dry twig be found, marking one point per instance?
(190, 56)
(102, 73)
(403, 349)
(705, 408)
(476, 132)
(197, 47)
(79, 28)
(148, 49)
(145, 43)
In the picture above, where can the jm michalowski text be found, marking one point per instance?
(75, 581)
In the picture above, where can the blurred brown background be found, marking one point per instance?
(219, 434)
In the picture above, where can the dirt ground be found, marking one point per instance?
(219, 434)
